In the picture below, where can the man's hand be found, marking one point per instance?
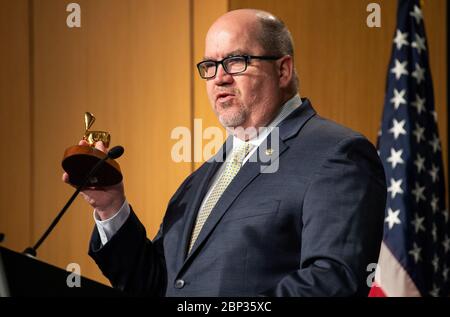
(106, 200)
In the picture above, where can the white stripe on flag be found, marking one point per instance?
(392, 277)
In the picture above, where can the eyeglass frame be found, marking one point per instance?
(247, 59)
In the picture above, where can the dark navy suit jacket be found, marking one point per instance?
(309, 229)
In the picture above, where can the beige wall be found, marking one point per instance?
(205, 12)
(15, 124)
(132, 64)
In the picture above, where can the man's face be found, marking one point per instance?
(248, 99)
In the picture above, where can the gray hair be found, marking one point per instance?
(275, 39)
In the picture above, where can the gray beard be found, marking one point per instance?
(235, 120)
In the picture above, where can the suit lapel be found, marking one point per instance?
(256, 164)
(247, 173)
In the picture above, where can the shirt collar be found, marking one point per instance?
(286, 109)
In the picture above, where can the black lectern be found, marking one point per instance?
(22, 275)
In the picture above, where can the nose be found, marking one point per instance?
(222, 77)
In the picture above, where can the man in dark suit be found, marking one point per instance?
(296, 209)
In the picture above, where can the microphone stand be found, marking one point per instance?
(115, 152)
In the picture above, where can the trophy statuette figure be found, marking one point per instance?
(78, 160)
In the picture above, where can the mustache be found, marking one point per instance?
(231, 91)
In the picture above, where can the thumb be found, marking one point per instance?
(101, 146)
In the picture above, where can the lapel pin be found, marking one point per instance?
(269, 151)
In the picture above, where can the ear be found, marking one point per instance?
(286, 70)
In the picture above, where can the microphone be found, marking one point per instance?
(114, 153)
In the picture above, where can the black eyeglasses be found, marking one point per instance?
(231, 65)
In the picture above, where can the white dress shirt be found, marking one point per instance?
(107, 228)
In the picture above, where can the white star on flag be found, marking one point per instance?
(417, 14)
(434, 173)
(397, 128)
(418, 74)
(445, 214)
(446, 244)
(392, 218)
(445, 272)
(434, 203)
(418, 223)
(418, 132)
(400, 39)
(435, 263)
(434, 232)
(419, 104)
(419, 43)
(415, 252)
(395, 187)
(420, 163)
(418, 192)
(435, 143)
(435, 291)
(396, 157)
(398, 98)
(434, 114)
(399, 69)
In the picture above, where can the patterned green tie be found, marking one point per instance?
(231, 169)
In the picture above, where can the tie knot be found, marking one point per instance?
(240, 152)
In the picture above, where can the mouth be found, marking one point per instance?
(224, 96)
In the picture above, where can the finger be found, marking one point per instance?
(83, 142)
(65, 178)
(100, 146)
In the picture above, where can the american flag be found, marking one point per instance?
(415, 254)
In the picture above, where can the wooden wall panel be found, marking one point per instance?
(15, 159)
(205, 13)
(129, 64)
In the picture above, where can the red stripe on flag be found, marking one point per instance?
(376, 291)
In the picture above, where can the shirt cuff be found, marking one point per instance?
(108, 228)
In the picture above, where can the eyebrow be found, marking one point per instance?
(232, 53)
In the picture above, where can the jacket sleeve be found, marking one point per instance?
(130, 261)
(342, 224)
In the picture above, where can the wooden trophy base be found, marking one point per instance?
(80, 159)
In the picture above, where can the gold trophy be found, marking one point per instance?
(78, 160)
